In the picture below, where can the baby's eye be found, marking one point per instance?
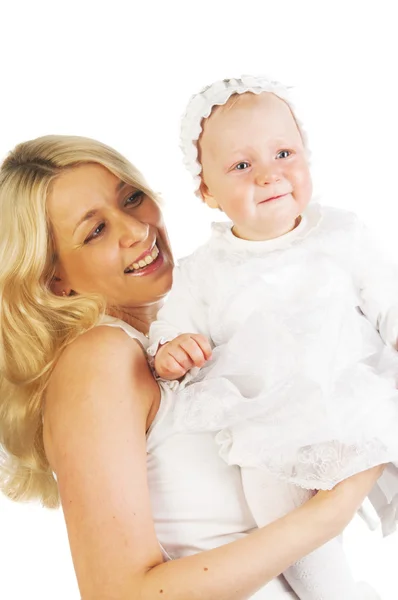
(283, 154)
(242, 166)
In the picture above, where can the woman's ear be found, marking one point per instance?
(59, 284)
(207, 196)
(58, 287)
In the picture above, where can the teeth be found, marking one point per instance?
(144, 262)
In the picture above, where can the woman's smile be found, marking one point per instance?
(146, 263)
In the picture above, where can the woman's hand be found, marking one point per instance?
(347, 496)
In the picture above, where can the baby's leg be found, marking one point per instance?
(323, 574)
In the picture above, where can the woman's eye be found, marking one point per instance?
(94, 234)
(135, 199)
(283, 154)
(242, 166)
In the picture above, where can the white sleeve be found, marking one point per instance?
(183, 312)
(377, 281)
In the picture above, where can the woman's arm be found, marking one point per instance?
(98, 406)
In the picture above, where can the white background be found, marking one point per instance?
(122, 72)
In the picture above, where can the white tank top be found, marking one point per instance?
(197, 499)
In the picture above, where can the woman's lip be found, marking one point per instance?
(153, 266)
(141, 256)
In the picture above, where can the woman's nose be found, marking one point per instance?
(132, 231)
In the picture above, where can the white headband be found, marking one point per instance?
(217, 94)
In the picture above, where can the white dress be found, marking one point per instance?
(302, 383)
(301, 390)
(197, 499)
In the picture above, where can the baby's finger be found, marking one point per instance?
(180, 355)
(203, 344)
(194, 351)
(168, 368)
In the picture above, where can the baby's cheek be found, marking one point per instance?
(240, 206)
(303, 185)
(307, 187)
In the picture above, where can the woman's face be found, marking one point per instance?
(110, 238)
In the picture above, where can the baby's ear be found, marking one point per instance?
(207, 196)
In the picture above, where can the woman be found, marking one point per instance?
(81, 237)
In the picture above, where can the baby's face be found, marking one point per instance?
(254, 166)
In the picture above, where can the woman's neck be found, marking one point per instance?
(139, 317)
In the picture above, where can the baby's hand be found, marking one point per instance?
(175, 358)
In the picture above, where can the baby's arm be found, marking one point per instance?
(377, 282)
(179, 337)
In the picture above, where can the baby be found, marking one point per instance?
(299, 313)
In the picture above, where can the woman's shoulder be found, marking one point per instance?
(131, 332)
(101, 343)
(111, 339)
(101, 380)
(101, 353)
(101, 365)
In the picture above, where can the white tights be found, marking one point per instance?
(322, 575)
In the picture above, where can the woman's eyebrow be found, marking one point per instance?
(91, 213)
(86, 217)
(120, 185)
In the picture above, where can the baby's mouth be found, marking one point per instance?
(272, 198)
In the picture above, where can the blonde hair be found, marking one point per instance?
(35, 324)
